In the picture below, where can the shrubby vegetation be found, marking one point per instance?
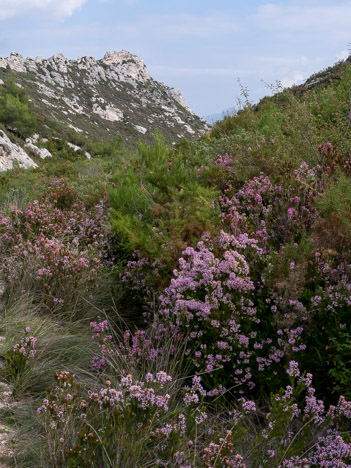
(16, 111)
(186, 306)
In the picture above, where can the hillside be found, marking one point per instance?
(182, 305)
(103, 99)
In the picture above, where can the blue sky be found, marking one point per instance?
(199, 46)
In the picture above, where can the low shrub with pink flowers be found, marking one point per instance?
(162, 422)
(56, 246)
(131, 420)
(20, 356)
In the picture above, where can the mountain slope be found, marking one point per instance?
(103, 99)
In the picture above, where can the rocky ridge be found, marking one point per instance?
(103, 99)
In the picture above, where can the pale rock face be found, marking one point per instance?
(58, 79)
(3, 62)
(59, 63)
(179, 120)
(46, 90)
(16, 62)
(36, 151)
(128, 65)
(140, 129)
(96, 71)
(73, 104)
(86, 62)
(33, 139)
(76, 129)
(110, 113)
(189, 129)
(176, 94)
(74, 147)
(31, 65)
(9, 153)
(1, 82)
(115, 58)
(78, 148)
(48, 103)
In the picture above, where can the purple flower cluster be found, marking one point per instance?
(26, 347)
(130, 405)
(211, 299)
(58, 242)
(18, 357)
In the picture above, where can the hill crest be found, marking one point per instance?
(104, 98)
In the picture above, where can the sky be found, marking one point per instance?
(210, 49)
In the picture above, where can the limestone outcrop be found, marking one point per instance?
(10, 154)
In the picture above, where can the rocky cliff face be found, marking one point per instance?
(11, 153)
(105, 98)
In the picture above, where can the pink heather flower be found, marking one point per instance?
(248, 406)
(293, 370)
(291, 213)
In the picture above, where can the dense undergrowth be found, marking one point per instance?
(186, 306)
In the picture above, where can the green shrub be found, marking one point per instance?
(15, 109)
(158, 203)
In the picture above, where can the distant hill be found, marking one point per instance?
(103, 99)
(212, 118)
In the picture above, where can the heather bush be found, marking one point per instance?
(238, 339)
(56, 247)
(161, 421)
(20, 355)
(135, 414)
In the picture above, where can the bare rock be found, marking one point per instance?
(110, 113)
(10, 152)
(36, 151)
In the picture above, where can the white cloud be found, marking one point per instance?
(13, 8)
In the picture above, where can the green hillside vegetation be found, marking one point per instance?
(185, 305)
(15, 109)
